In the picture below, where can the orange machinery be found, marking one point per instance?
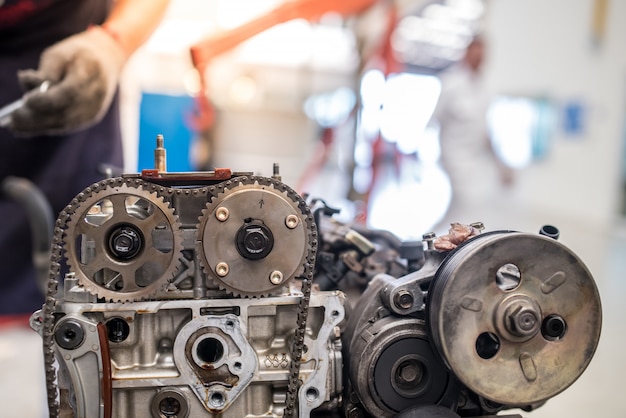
(204, 51)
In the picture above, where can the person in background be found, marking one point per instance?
(60, 137)
(475, 172)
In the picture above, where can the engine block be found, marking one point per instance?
(227, 294)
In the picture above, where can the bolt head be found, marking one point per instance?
(403, 299)
(222, 214)
(276, 277)
(222, 269)
(292, 221)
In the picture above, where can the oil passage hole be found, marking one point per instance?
(210, 350)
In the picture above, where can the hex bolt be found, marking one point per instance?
(254, 240)
(276, 277)
(222, 269)
(125, 242)
(222, 213)
(430, 240)
(410, 373)
(291, 221)
(69, 334)
(522, 319)
(403, 299)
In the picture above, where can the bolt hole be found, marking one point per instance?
(508, 277)
(217, 399)
(487, 345)
(117, 330)
(553, 327)
(335, 314)
(237, 366)
(169, 407)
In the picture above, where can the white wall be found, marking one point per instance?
(544, 48)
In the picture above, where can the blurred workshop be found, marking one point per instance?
(312, 208)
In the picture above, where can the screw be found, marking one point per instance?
(69, 335)
(291, 221)
(430, 240)
(403, 299)
(276, 277)
(222, 214)
(222, 269)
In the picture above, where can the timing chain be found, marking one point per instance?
(306, 278)
(56, 256)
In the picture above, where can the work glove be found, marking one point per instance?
(83, 72)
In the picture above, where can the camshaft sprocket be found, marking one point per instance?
(255, 236)
(123, 242)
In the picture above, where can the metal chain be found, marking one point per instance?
(56, 256)
(306, 278)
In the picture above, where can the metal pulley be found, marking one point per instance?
(516, 317)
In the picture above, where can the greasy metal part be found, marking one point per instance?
(254, 239)
(123, 243)
(393, 367)
(215, 359)
(483, 329)
(84, 366)
(172, 347)
(160, 156)
(193, 350)
(407, 294)
(126, 241)
(378, 340)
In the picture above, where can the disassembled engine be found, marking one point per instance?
(227, 294)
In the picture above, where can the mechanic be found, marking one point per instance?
(61, 136)
(467, 156)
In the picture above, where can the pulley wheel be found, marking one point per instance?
(393, 367)
(516, 317)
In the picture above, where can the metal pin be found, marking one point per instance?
(160, 159)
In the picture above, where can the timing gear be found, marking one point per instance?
(123, 241)
(255, 236)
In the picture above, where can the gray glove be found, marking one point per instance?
(83, 71)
